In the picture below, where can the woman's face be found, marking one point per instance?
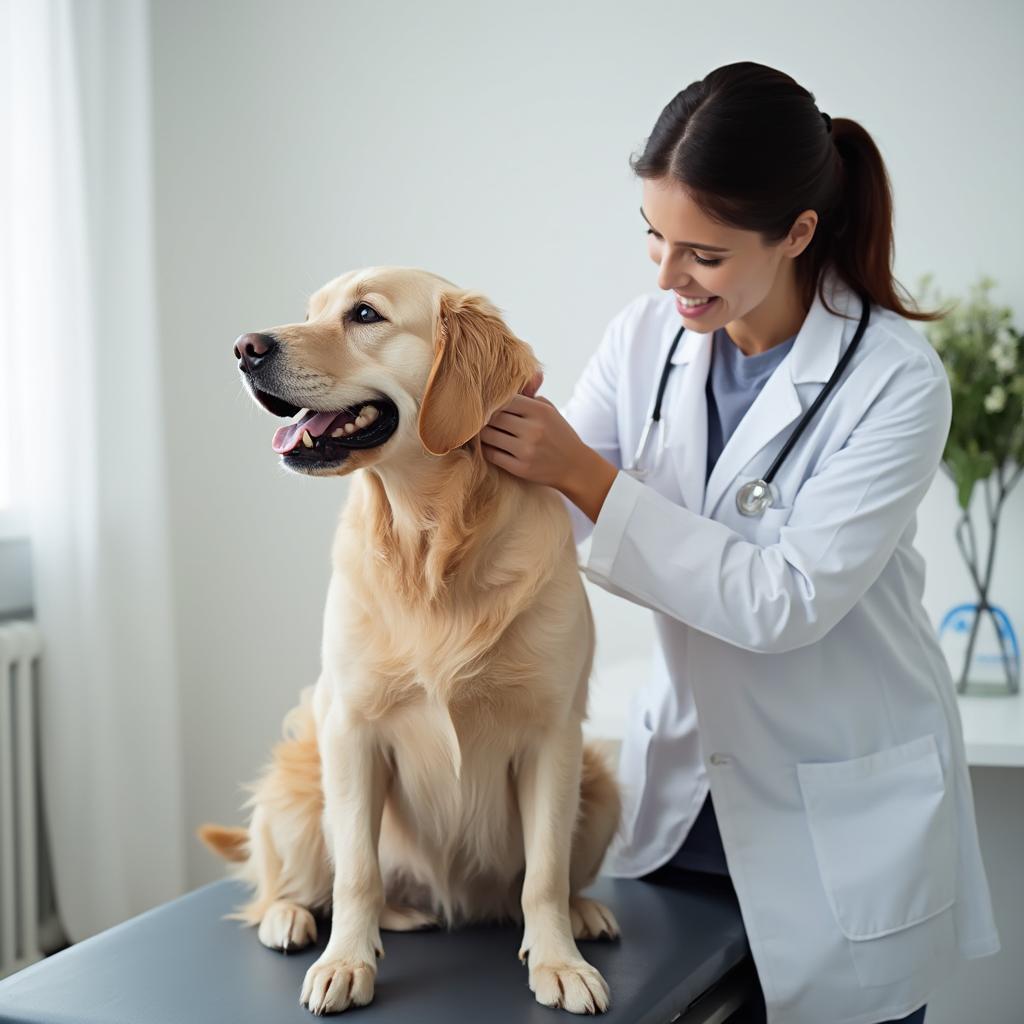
(699, 257)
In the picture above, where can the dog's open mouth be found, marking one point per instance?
(319, 437)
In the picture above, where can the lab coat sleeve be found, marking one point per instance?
(845, 522)
(592, 412)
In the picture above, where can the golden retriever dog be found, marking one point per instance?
(436, 773)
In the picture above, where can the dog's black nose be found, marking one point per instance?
(252, 349)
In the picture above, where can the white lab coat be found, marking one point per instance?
(829, 732)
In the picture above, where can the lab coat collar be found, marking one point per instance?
(812, 358)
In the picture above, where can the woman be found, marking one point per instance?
(829, 735)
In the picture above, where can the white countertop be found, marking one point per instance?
(993, 730)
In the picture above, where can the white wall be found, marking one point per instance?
(489, 144)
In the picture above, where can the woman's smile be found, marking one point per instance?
(696, 310)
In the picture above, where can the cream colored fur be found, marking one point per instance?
(436, 773)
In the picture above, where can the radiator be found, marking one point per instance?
(29, 926)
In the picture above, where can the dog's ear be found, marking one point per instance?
(479, 364)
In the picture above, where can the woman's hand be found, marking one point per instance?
(531, 439)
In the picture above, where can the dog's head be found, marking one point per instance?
(391, 362)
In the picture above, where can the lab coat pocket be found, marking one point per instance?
(884, 839)
(770, 522)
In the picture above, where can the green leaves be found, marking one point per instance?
(984, 358)
(967, 467)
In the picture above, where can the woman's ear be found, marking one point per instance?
(479, 364)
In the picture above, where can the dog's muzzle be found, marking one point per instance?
(328, 436)
(318, 437)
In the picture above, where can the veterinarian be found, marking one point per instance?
(800, 733)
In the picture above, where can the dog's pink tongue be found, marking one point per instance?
(317, 423)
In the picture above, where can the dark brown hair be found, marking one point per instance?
(753, 151)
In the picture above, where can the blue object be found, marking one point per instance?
(960, 619)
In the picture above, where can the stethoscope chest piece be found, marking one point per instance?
(753, 498)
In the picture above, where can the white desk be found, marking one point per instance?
(993, 730)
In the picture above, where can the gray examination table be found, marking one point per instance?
(682, 956)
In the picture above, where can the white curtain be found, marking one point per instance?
(80, 370)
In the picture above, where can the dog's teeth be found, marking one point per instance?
(337, 433)
(306, 439)
(369, 412)
(350, 428)
(361, 421)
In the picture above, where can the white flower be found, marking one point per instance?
(1004, 353)
(995, 399)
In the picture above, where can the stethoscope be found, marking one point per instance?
(755, 495)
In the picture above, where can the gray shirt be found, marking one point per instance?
(734, 381)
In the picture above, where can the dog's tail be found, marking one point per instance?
(229, 843)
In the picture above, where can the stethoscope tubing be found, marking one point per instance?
(823, 394)
(805, 419)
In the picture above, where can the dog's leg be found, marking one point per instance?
(283, 923)
(599, 816)
(548, 787)
(354, 779)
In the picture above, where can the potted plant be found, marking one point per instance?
(984, 359)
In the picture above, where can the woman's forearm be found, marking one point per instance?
(590, 481)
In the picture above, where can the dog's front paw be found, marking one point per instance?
(591, 919)
(573, 985)
(287, 926)
(333, 984)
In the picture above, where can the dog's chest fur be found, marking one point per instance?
(459, 683)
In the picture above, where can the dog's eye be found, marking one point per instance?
(364, 314)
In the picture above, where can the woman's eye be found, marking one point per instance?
(702, 262)
(364, 314)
